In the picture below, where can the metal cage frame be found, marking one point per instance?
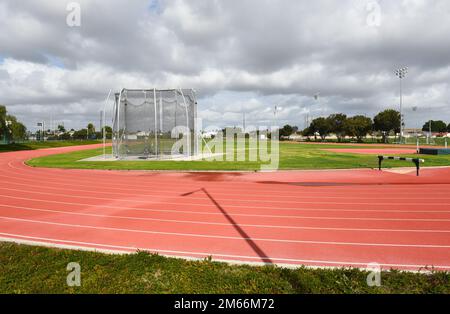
(156, 134)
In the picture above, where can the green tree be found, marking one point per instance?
(66, 136)
(17, 130)
(448, 128)
(91, 128)
(387, 121)
(307, 132)
(2, 121)
(91, 131)
(61, 128)
(436, 126)
(358, 126)
(322, 126)
(337, 124)
(108, 132)
(80, 134)
(287, 130)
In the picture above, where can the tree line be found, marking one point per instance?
(12, 130)
(88, 133)
(359, 126)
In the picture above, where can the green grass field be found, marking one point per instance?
(31, 269)
(46, 144)
(292, 156)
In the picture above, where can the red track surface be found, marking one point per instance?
(317, 218)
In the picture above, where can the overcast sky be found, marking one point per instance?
(239, 55)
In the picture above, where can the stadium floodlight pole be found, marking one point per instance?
(316, 98)
(275, 116)
(401, 74)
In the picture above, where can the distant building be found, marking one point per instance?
(412, 132)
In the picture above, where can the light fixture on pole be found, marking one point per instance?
(401, 74)
(275, 115)
(316, 98)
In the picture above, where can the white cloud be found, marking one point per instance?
(246, 55)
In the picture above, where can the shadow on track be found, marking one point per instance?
(266, 259)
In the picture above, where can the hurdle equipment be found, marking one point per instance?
(416, 161)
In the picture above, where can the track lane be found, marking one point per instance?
(318, 218)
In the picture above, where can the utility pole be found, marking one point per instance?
(430, 134)
(42, 125)
(101, 120)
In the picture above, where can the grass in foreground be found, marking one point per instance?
(46, 144)
(292, 156)
(32, 269)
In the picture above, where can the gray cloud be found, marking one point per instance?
(246, 55)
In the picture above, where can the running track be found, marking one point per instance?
(314, 218)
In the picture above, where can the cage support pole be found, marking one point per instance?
(196, 132)
(176, 107)
(187, 123)
(156, 121)
(160, 112)
(104, 128)
(119, 138)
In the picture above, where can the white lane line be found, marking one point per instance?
(265, 201)
(220, 214)
(223, 224)
(212, 205)
(198, 235)
(306, 196)
(125, 249)
(138, 188)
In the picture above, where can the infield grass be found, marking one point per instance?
(292, 156)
